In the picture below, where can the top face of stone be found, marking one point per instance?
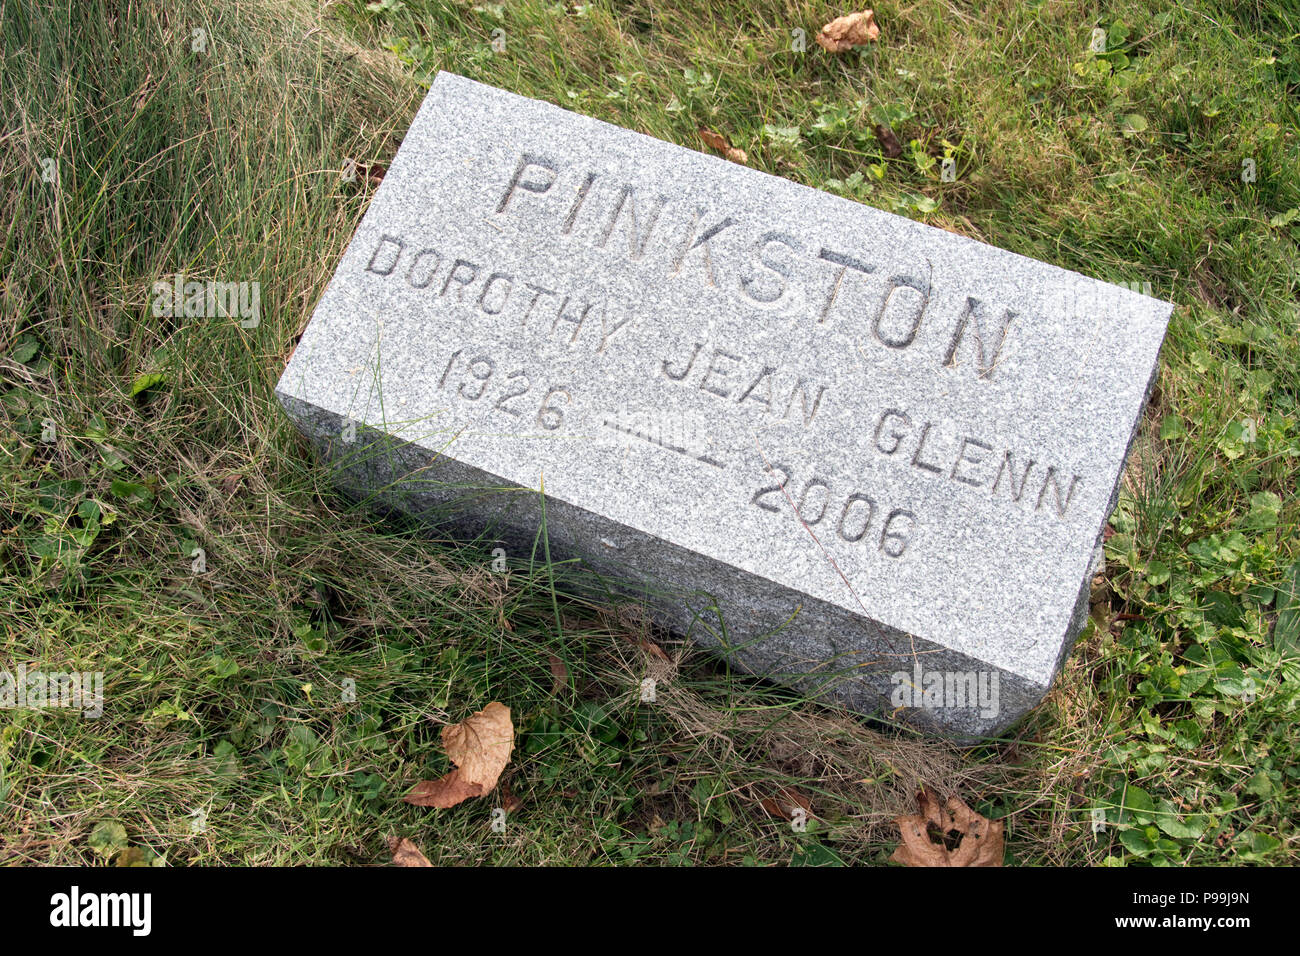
(694, 348)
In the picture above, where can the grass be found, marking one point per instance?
(227, 698)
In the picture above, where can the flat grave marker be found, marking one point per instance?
(886, 453)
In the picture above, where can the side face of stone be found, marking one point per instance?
(854, 453)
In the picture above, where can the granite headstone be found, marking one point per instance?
(853, 453)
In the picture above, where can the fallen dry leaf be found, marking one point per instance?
(889, 142)
(783, 805)
(509, 802)
(715, 140)
(480, 748)
(844, 33)
(654, 650)
(373, 172)
(650, 647)
(406, 853)
(719, 142)
(444, 792)
(979, 839)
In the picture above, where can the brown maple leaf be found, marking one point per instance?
(979, 839)
(844, 33)
(480, 748)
